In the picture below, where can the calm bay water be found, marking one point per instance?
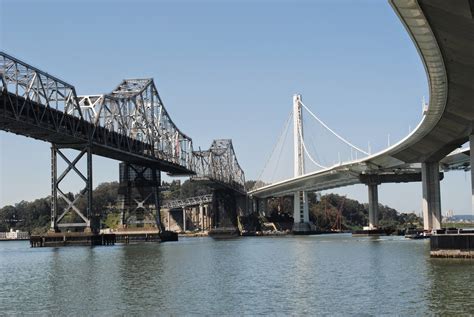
(327, 274)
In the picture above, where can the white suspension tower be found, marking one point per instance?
(300, 205)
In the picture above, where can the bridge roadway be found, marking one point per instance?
(443, 33)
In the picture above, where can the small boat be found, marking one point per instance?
(417, 236)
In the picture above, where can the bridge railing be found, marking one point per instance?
(219, 164)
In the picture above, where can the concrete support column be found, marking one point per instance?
(373, 205)
(169, 216)
(431, 195)
(184, 219)
(300, 207)
(471, 144)
(254, 205)
(301, 213)
(201, 216)
(262, 210)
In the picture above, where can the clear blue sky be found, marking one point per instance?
(228, 69)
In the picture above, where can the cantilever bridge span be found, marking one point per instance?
(129, 124)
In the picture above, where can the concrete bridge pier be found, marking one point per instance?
(201, 216)
(430, 178)
(139, 196)
(300, 213)
(254, 205)
(208, 217)
(224, 209)
(262, 206)
(258, 206)
(373, 205)
(471, 145)
(184, 219)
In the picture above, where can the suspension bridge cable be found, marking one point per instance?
(285, 127)
(313, 145)
(306, 151)
(281, 150)
(332, 131)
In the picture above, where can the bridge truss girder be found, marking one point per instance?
(187, 202)
(129, 124)
(219, 166)
(135, 110)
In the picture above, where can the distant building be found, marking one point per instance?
(14, 235)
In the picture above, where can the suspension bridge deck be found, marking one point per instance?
(442, 33)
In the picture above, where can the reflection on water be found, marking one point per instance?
(451, 288)
(327, 274)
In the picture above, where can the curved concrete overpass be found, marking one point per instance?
(443, 33)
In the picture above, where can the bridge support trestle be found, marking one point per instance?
(72, 216)
(430, 179)
(139, 196)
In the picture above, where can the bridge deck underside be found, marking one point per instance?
(452, 24)
(216, 184)
(25, 117)
(324, 181)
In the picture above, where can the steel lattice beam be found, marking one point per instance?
(135, 110)
(128, 124)
(219, 165)
(88, 219)
(191, 201)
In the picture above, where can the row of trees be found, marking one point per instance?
(327, 212)
(338, 212)
(35, 216)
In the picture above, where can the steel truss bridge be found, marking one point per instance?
(219, 166)
(191, 201)
(129, 124)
